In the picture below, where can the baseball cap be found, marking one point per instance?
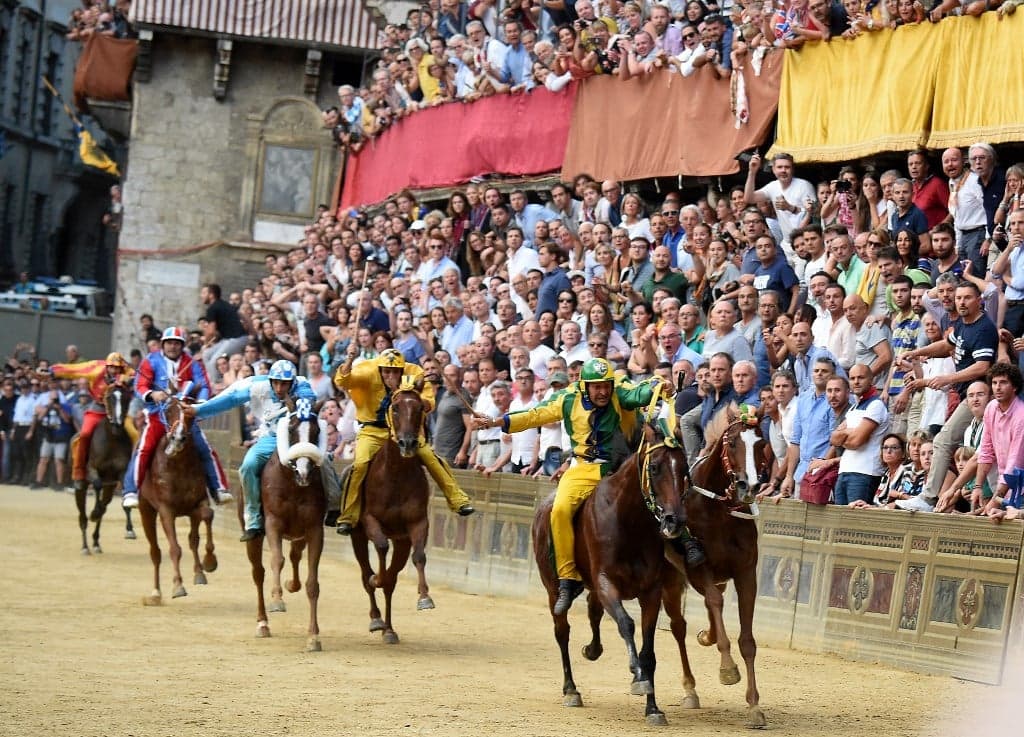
(576, 272)
(558, 377)
(418, 225)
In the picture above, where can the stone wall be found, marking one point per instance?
(192, 165)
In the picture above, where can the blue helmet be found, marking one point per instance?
(282, 371)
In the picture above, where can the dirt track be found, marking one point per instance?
(82, 656)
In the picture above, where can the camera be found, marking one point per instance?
(843, 186)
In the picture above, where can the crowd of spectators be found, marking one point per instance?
(100, 17)
(456, 50)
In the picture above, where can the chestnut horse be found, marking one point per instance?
(395, 510)
(176, 487)
(109, 452)
(720, 513)
(294, 506)
(621, 531)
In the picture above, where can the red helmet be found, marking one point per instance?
(173, 333)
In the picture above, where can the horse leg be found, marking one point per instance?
(671, 599)
(746, 593)
(148, 515)
(198, 577)
(315, 544)
(83, 521)
(275, 543)
(398, 560)
(650, 606)
(595, 611)
(254, 551)
(569, 691)
(709, 637)
(418, 536)
(209, 560)
(362, 553)
(627, 628)
(295, 556)
(714, 600)
(102, 500)
(174, 550)
(129, 530)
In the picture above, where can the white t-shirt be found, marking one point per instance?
(797, 194)
(539, 360)
(524, 443)
(866, 459)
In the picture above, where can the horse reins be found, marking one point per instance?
(727, 463)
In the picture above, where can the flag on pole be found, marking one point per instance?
(94, 156)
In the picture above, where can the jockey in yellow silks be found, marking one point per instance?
(370, 385)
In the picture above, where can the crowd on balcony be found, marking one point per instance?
(100, 17)
(455, 50)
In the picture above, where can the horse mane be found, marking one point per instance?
(716, 428)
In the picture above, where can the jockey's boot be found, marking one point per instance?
(690, 548)
(251, 534)
(331, 520)
(466, 509)
(223, 496)
(129, 500)
(344, 528)
(568, 590)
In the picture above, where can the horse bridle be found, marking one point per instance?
(646, 451)
(730, 496)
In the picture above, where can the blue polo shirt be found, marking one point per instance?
(914, 220)
(811, 429)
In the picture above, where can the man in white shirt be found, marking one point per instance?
(788, 194)
(524, 459)
(520, 257)
(539, 353)
(493, 451)
(833, 331)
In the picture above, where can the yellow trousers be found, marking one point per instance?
(576, 484)
(368, 443)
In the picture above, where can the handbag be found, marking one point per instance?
(816, 488)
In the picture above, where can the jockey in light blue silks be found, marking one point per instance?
(266, 396)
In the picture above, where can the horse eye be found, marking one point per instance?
(655, 469)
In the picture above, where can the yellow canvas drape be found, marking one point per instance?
(933, 85)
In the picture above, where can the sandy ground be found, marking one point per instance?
(83, 657)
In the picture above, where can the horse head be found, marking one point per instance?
(663, 471)
(405, 416)
(179, 424)
(736, 450)
(116, 400)
(301, 443)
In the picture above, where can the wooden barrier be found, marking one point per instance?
(928, 593)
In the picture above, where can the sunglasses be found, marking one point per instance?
(689, 35)
(563, 299)
(597, 345)
(670, 213)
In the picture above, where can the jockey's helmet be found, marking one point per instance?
(116, 360)
(282, 371)
(173, 333)
(391, 358)
(597, 369)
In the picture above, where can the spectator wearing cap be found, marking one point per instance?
(553, 282)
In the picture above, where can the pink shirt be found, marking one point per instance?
(1002, 442)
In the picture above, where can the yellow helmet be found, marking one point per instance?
(116, 360)
(391, 358)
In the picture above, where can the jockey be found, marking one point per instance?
(266, 395)
(593, 410)
(370, 385)
(164, 373)
(101, 375)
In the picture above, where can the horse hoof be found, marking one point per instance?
(85, 550)
(210, 563)
(179, 592)
(97, 549)
(425, 603)
(130, 535)
(573, 700)
(656, 719)
(152, 600)
(390, 637)
(705, 639)
(200, 579)
(313, 645)
(262, 629)
(729, 676)
(592, 652)
(691, 701)
(641, 688)
(277, 606)
(755, 718)
(293, 586)
(377, 625)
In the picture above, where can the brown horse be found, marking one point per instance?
(109, 450)
(395, 511)
(620, 539)
(176, 487)
(719, 513)
(294, 506)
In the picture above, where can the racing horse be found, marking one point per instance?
(176, 487)
(294, 506)
(109, 452)
(720, 512)
(621, 530)
(395, 510)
